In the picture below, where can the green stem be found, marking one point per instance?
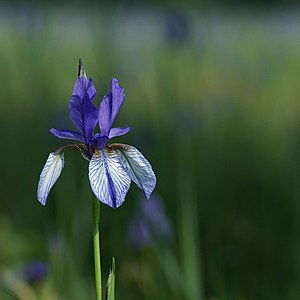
(96, 240)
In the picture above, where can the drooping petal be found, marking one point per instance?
(49, 175)
(108, 178)
(84, 115)
(117, 131)
(67, 134)
(110, 106)
(137, 166)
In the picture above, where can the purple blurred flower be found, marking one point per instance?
(150, 224)
(111, 167)
(176, 27)
(139, 232)
(35, 270)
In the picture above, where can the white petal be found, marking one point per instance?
(137, 166)
(49, 175)
(108, 178)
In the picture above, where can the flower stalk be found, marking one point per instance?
(96, 242)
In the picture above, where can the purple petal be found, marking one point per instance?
(118, 96)
(91, 89)
(80, 86)
(76, 111)
(90, 119)
(84, 115)
(67, 134)
(99, 141)
(105, 109)
(110, 106)
(117, 131)
(83, 86)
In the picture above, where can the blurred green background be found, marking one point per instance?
(213, 103)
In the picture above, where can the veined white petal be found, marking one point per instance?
(108, 178)
(137, 166)
(49, 175)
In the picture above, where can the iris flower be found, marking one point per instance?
(111, 166)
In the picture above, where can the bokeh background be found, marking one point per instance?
(213, 102)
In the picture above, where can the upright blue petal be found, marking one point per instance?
(91, 89)
(110, 106)
(80, 86)
(90, 119)
(118, 97)
(137, 167)
(108, 178)
(84, 115)
(105, 109)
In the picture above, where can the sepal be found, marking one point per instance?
(108, 178)
(49, 175)
(137, 167)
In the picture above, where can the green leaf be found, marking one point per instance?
(110, 285)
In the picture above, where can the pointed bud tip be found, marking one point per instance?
(80, 68)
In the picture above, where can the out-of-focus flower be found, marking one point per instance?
(139, 232)
(176, 27)
(150, 224)
(35, 270)
(111, 167)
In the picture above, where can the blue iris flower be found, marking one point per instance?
(111, 166)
